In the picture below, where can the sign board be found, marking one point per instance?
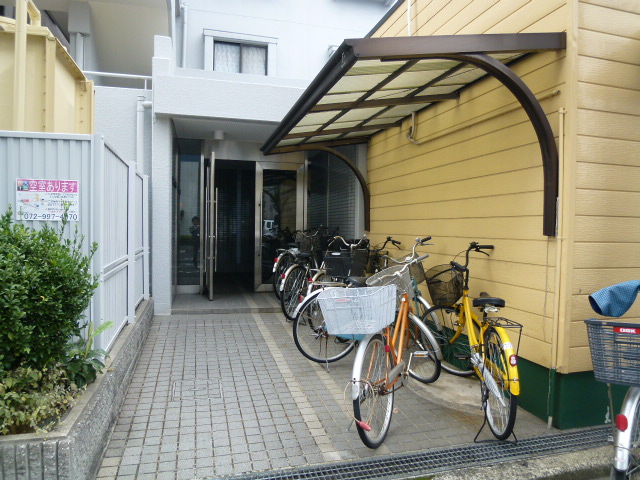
(38, 199)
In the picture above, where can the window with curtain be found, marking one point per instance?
(240, 58)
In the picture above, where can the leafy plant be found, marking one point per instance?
(45, 285)
(32, 400)
(83, 362)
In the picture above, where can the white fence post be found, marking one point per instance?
(96, 234)
(131, 243)
(146, 261)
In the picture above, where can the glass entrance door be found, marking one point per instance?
(279, 214)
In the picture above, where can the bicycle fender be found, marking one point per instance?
(428, 333)
(287, 273)
(514, 376)
(355, 374)
(622, 440)
(307, 299)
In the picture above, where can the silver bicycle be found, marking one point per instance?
(615, 352)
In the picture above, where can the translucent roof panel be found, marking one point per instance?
(381, 81)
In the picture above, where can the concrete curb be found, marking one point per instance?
(589, 464)
(73, 450)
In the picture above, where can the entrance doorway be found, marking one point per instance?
(228, 203)
(234, 215)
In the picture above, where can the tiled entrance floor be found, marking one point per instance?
(217, 394)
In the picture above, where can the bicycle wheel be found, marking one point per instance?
(284, 262)
(374, 405)
(425, 366)
(312, 338)
(294, 288)
(500, 407)
(456, 354)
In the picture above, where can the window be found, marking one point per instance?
(239, 53)
(239, 58)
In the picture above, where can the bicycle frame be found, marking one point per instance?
(478, 357)
(397, 341)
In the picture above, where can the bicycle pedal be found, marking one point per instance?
(421, 354)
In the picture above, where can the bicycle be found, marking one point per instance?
(308, 271)
(485, 350)
(615, 353)
(380, 368)
(379, 258)
(309, 330)
(295, 278)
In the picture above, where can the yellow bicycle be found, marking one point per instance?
(479, 344)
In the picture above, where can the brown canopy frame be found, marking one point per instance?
(373, 84)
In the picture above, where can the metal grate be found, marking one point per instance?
(414, 465)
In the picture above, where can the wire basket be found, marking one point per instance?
(397, 275)
(346, 264)
(444, 284)
(615, 351)
(416, 270)
(353, 311)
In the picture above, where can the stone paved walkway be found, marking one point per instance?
(217, 394)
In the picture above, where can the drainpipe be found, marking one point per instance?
(183, 10)
(141, 106)
(409, 18)
(553, 372)
(79, 37)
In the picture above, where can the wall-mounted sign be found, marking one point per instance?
(38, 199)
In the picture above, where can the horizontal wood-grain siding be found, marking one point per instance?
(476, 174)
(607, 196)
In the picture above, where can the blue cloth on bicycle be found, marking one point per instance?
(615, 300)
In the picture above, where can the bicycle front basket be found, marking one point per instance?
(345, 264)
(444, 284)
(349, 311)
(615, 351)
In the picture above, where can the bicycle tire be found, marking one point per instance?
(456, 356)
(374, 405)
(294, 287)
(284, 262)
(312, 338)
(633, 469)
(500, 411)
(425, 367)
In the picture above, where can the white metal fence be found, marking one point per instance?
(113, 211)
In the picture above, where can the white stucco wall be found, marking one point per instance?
(116, 120)
(303, 29)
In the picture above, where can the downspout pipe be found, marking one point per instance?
(142, 105)
(553, 371)
(183, 13)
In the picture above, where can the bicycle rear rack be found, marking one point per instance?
(509, 325)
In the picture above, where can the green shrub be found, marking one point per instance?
(45, 285)
(83, 362)
(31, 400)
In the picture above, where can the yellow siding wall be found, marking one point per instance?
(58, 97)
(607, 150)
(477, 174)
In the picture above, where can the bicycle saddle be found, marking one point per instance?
(304, 255)
(356, 281)
(486, 299)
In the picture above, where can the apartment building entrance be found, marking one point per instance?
(231, 215)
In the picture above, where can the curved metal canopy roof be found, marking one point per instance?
(372, 84)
